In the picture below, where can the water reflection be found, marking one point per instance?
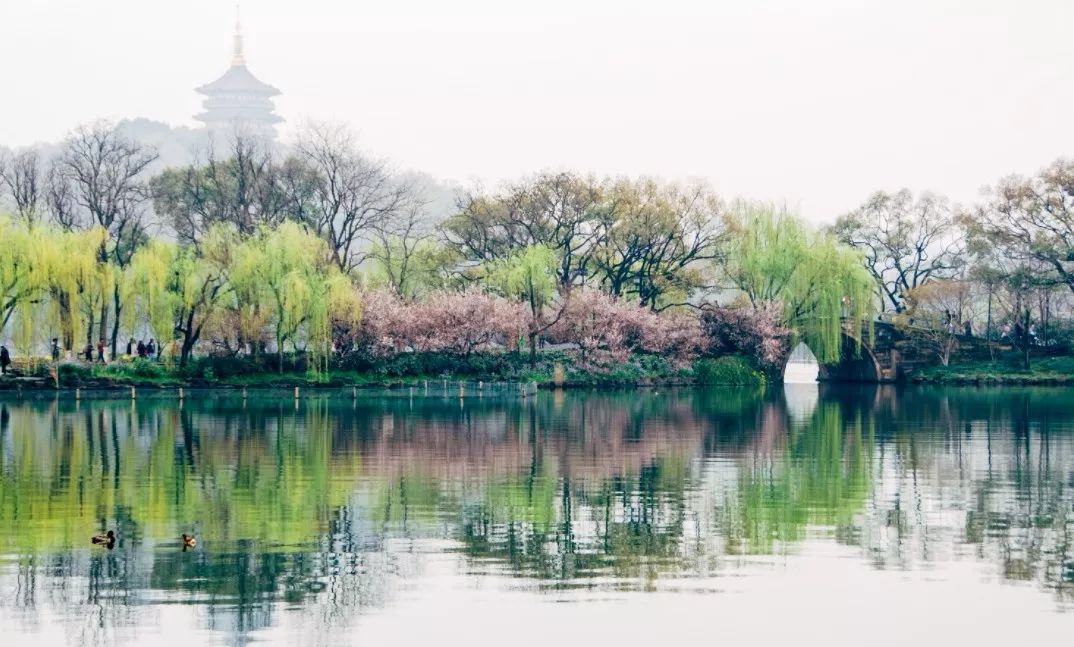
(332, 508)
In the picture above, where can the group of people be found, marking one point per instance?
(953, 327)
(91, 353)
(87, 352)
(1018, 334)
(145, 350)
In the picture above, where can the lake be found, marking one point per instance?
(835, 515)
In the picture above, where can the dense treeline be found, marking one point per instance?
(319, 249)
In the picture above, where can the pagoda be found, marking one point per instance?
(238, 98)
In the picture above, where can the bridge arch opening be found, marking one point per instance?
(858, 364)
(802, 366)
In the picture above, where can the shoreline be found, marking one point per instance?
(1011, 379)
(639, 372)
(474, 387)
(435, 385)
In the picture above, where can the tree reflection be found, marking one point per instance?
(329, 507)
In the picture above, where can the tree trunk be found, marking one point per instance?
(89, 328)
(534, 311)
(190, 337)
(988, 329)
(102, 331)
(67, 324)
(187, 348)
(115, 324)
(1025, 338)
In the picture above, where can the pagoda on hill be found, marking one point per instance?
(239, 99)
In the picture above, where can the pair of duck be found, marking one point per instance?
(108, 540)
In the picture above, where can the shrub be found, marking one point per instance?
(69, 370)
(731, 370)
(433, 364)
(145, 368)
(210, 367)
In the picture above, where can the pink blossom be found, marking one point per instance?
(755, 330)
(607, 329)
(447, 321)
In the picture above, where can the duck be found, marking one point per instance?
(189, 541)
(108, 539)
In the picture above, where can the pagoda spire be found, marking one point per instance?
(238, 58)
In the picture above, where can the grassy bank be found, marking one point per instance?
(1045, 371)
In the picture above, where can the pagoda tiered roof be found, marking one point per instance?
(238, 80)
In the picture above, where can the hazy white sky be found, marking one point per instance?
(815, 103)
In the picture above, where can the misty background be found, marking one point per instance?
(815, 105)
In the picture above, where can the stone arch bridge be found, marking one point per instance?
(880, 352)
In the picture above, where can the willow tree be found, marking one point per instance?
(75, 270)
(775, 257)
(529, 275)
(24, 279)
(179, 289)
(288, 272)
(146, 287)
(42, 270)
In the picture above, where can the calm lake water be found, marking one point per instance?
(841, 516)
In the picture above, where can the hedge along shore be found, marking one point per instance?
(341, 384)
(554, 371)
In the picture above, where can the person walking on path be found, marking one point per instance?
(55, 349)
(100, 351)
(151, 349)
(141, 348)
(130, 348)
(5, 360)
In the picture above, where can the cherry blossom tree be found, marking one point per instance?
(756, 330)
(607, 329)
(446, 321)
(463, 322)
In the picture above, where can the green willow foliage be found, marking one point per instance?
(288, 273)
(773, 256)
(528, 275)
(46, 276)
(282, 278)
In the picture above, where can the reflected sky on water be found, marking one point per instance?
(807, 514)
